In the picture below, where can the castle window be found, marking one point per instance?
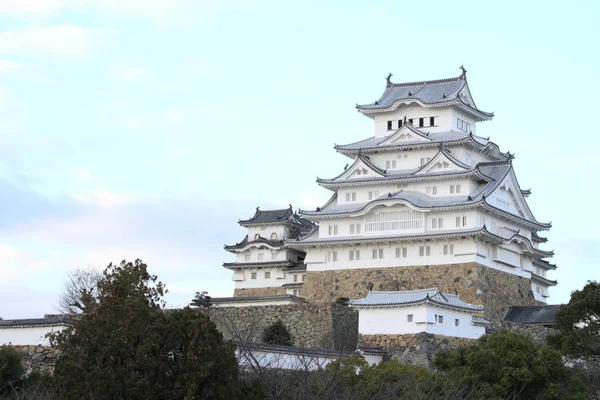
(295, 292)
(389, 125)
(354, 255)
(461, 221)
(295, 278)
(421, 122)
(261, 256)
(410, 121)
(537, 288)
(393, 220)
(303, 278)
(456, 322)
(424, 251)
(354, 229)
(374, 194)
(432, 190)
(273, 235)
(402, 185)
(437, 223)
(401, 252)
(253, 275)
(390, 164)
(431, 121)
(333, 230)
(439, 319)
(399, 123)
(247, 257)
(458, 188)
(267, 274)
(377, 254)
(409, 318)
(332, 256)
(452, 188)
(257, 236)
(448, 249)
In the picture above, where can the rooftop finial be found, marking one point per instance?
(464, 72)
(405, 119)
(388, 79)
(346, 167)
(257, 209)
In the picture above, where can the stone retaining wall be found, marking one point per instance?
(476, 284)
(38, 358)
(414, 349)
(537, 333)
(311, 325)
(268, 291)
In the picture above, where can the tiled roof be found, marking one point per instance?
(264, 264)
(13, 323)
(276, 217)
(261, 240)
(542, 280)
(528, 315)
(411, 297)
(543, 264)
(427, 92)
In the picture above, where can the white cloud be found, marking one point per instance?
(102, 198)
(174, 117)
(83, 174)
(55, 39)
(129, 74)
(39, 8)
(7, 66)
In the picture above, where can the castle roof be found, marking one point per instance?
(439, 92)
(395, 141)
(31, 322)
(276, 217)
(261, 241)
(377, 299)
(263, 264)
(532, 315)
(542, 280)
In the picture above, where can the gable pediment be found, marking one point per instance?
(442, 162)
(405, 134)
(362, 168)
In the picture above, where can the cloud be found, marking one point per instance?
(8, 66)
(56, 39)
(38, 8)
(129, 74)
(174, 117)
(83, 174)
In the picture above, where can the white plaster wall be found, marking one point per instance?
(27, 335)
(382, 321)
(279, 277)
(266, 231)
(464, 251)
(443, 118)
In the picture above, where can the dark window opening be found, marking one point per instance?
(410, 121)
(431, 121)
(421, 123)
(399, 123)
(389, 125)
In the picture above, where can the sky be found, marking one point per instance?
(147, 128)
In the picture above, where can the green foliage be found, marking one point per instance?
(509, 365)
(578, 324)
(277, 333)
(11, 370)
(201, 300)
(125, 346)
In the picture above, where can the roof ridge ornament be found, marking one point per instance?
(463, 76)
(388, 80)
(405, 118)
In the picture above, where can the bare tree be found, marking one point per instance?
(79, 282)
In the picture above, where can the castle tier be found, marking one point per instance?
(424, 202)
(263, 266)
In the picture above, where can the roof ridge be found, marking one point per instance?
(434, 81)
(404, 291)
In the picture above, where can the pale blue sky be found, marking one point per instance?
(147, 128)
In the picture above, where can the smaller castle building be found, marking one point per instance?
(263, 266)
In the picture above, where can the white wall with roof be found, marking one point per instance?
(395, 321)
(27, 335)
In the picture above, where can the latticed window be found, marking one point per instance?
(393, 221)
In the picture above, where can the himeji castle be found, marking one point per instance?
(423, 202)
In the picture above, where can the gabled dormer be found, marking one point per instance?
(407, 133)
(443, 162)
(361, 168)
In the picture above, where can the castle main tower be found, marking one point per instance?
(426, 202)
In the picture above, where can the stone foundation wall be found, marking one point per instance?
(537, 333)
(38, 358)
(325, 325)
(268, 291)
(476, 284)
(414, 349)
